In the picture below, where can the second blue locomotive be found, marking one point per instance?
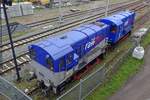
(56, 59)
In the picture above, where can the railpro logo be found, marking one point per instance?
(90, 44)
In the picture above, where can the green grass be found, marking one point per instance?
(36, 10)
(23, 84)
(127, 69)
(146, 40)
(17, 34)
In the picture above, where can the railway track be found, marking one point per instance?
(24, 58)
(46, 33)
(56, 19)
(71, 15)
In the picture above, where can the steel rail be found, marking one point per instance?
(48, 32)
(24, 58)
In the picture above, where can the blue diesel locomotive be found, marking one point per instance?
(56, 59)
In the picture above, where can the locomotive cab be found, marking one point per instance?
(115, 29)
(120, 25)
(52, 63)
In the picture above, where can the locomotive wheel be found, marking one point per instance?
(61, 87)
(58, 90)
(130, 33)
(102, 56)
(68, 80)
(46, 91)
(41, 84)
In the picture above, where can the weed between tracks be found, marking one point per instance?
(23, 84)
(15, 35)
(128, 68)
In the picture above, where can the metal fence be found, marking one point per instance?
(87, 85)
(90, 83)
(11, 92)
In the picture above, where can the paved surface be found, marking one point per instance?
(138, 87)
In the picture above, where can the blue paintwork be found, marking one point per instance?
(81, 40)
(112, 37)
(123, 22)
(60, 46)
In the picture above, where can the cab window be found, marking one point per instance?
(32, 53)
(113, 29)
(49, 63)
(69, 58)
(82, 49)
(78, 51)
(61, 63)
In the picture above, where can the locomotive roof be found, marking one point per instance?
(52, 48)
(127, 12)
(61, 45)
(112, 20)
(116, 18)
(56, 52)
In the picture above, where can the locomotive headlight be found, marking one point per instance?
(51, 68)
(32, 52)
(49, 62)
